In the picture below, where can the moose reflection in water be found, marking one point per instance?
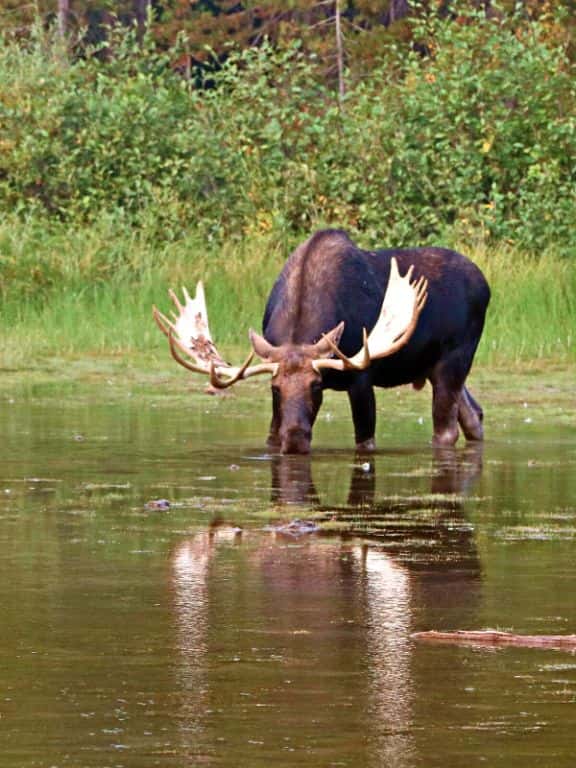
(310, 635)
(453, 472)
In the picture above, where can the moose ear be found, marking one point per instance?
(325, 347)
(263, 348)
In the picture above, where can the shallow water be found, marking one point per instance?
(172, 595)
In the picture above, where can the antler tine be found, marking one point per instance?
(173, 344)
(161, 320)
(176, 300)
(219, 383)
(421, 289)
(348, 363)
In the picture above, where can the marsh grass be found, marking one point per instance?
(532, 313)
(88, 291)
(118, 180)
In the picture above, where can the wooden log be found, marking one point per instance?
(496, 638)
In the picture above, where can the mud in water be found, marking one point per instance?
(172, 595)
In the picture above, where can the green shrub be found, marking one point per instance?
(488, 133)
(477, 137)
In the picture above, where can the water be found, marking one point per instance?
(264, 616)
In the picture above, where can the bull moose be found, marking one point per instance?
(343, 318)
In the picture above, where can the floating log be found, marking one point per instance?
(495, 638)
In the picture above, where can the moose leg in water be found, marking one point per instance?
(363, 405)
(470, 416)
(445, 402)
(452, 404)
(273, 441)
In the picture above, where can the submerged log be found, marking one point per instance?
(496, 638)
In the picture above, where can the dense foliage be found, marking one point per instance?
(478, 136)
(368, 25)
(121, 174)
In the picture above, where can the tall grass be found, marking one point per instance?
(70, 292)
(118, 179)
(532, 313)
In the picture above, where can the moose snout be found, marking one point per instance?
(295, 440)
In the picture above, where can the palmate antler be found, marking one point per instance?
(397, 321)
(192, 347)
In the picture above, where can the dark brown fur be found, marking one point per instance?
(328, 280)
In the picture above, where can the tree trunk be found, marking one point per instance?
(398, 9)
(340, 55)
(141, 13)
(63, 10)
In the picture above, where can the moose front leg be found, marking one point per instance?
(363, 405)
(273, 440)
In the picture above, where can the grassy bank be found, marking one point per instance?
(119, 178)
(74, 292)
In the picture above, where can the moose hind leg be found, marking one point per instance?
(470, 416)
(445, 409)
(475, 404)
(451, 402)
(363, 405)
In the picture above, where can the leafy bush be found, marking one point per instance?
(488, 133)
(477, 138)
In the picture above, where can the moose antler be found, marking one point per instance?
(397, 321)
(189, 337)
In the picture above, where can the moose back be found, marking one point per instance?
(339, 317)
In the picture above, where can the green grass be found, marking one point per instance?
(73, 292)
(90, 291)
(532, 313)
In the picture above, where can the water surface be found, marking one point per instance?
(264, 614)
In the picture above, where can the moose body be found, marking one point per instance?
(328, 292)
